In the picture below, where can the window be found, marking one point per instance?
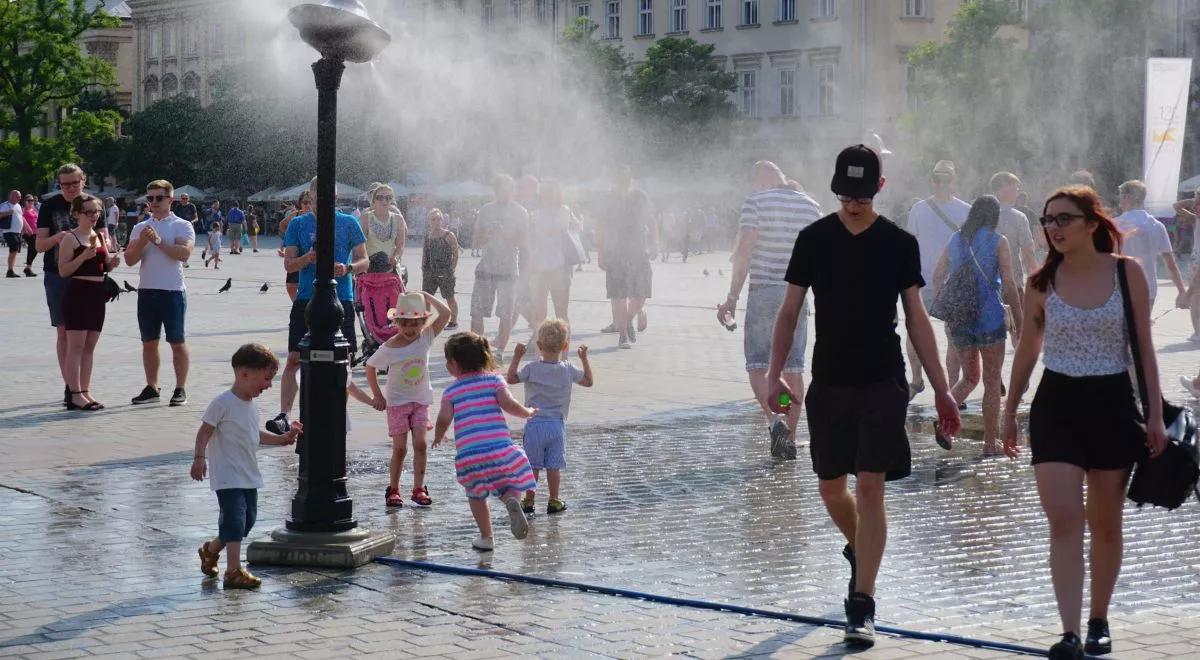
(712, 14)
(1022, 9)
(485, 13)
(679, 15)
(170, 85)
(191, 38)
(826, 8)
(583, 11)
(787, 92)
(826, 80)
(169, 41)
(153, 47)
(151, 90)
(747, 101)
(787, 10)
(915, 9)
(191, 85)
(612, 20)
(541, 11)
(749, 12)
(218, 41)
(645, 23)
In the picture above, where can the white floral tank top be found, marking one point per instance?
(1086, 342)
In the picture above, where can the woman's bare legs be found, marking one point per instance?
(1060, 487)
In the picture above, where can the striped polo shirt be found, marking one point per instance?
(778, 214)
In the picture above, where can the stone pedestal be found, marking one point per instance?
(349, 549)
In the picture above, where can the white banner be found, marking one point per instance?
(1168, 80)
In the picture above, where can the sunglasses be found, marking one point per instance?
(384, 198)
(1061, 220)
(157, 198)
(90, 212)
(77, 182)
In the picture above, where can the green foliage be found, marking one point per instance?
(164, 142)
(596, 67)
(681, 91)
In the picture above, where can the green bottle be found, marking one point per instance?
(785, 400)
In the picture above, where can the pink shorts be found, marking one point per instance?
(405, 417)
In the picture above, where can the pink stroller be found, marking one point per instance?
(374, 295)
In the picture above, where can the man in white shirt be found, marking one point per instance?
(1146, 239)
(10, 210)
(112, 215)
(934, 222)
(1014, 225)
(161, 244)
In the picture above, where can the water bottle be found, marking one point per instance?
(728, 322)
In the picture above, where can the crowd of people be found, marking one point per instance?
(989, 269)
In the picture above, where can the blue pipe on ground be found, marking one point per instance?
(702, 604)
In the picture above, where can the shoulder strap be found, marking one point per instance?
(941, 214)
(1131, 328)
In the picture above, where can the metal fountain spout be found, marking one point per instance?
(340, 30)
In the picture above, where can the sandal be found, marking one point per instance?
(241, 579)
(420, 496)
(90, 406)
(208, 561)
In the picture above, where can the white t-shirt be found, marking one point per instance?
(1145, 239)
(232, 462)
(112, 215)
(932, 234)
(157, 270)
(408, 371)
(12, 226)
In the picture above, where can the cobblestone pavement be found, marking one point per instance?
(99, 522)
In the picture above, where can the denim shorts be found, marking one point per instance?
(762, 306)
(239, 509)
(56, 288)
(545, 443)
(159, 310)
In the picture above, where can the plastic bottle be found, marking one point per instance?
(728, 322)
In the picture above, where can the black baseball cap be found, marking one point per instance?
(857, 172)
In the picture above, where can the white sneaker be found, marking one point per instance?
(1190, 386)
(516, 518)
(482, 544)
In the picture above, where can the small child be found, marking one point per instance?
(486, 461)
(213, 253)
(406, 357)
(439, 258)
(548, 390)
(229, 431)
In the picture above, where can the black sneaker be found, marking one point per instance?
(12, 275)
(848, 553)
(279, 425)
(779, 438)
(148, 395)
(1099, 642)
(860, 621)
(178, 397)
(1070, 648)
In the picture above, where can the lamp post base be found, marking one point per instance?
(349, 549)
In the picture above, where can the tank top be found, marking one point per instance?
(1086, 342)
(987, 275)
(381, 236)
(439, 254)
(94, 267)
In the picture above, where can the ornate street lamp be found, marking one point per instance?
(321, 529)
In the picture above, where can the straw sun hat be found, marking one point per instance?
(409, 306)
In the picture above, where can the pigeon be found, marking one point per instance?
(720, 272)
(706, 272)
(228, 285)
(264, 287)
(128, 287)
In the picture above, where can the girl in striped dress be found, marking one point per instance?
(486, 461)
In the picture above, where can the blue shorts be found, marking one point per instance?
(239, 509)
(762, 306)
(545, 443)
(159, 310)
(56, 288)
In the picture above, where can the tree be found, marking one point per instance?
(596, 68)
(681, 92)
(42, 67)
(164, 142)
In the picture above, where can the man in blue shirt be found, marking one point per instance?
(349, 259)
(236, 219)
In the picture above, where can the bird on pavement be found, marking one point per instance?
(128, 287)
(228, 285)
(264, 287)
(706, 272)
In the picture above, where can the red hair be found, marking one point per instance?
(1107, 238)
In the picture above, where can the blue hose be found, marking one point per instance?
(702, 604)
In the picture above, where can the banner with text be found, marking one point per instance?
(1168, 80)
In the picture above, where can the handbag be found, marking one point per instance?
(1168, 479)
(956, 303)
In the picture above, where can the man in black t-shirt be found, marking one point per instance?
(186, 210)
(857, 264)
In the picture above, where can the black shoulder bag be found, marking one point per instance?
(1168, 479)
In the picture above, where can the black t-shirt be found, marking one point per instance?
(55, 215)
(856, 281)
(185, 211)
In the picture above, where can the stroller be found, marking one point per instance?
(374, 295)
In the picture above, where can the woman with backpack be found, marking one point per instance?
(1084, 423)
(979, 264)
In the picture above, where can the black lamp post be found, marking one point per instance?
(340, 30)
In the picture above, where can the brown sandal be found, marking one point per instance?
(241, 579)
(208, 561)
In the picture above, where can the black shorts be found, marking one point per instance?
(292, 278)
(628, 280)
(433, 281)
(1089, 421)
(13, 241)
(859, 428)
(298, 326)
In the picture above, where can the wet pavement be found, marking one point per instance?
(99, 523)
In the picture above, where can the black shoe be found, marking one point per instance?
(67, 395)
(178, 397)
(279, 425)
(148, 395)
(860, 621)
(12, 275)
(1099, 641)
(29, 273)
(848, 553)
(1070, 648)
(779, 438)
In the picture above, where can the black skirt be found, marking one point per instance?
(83, 305)
(1089, 421)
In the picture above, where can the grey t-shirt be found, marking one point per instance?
(506, 226)
(548, 387)
(1015, 227)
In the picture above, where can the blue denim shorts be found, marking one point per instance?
(239, 509)
(545, 443)
(160, 310)
(762, 306)
(56, 288)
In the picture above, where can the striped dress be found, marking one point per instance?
(486, 460)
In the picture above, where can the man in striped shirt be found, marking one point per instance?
(771, 219)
